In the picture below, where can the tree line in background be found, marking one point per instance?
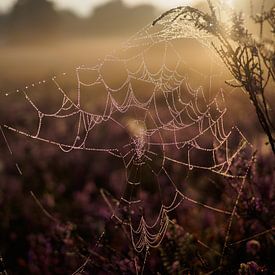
(39, 21)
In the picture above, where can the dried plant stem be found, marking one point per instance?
(251, 64)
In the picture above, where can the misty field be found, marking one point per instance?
(68, 184)
(141, 160)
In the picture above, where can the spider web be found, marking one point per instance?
(151, 119)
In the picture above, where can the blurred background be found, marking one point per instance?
(39, 38)
(42, 38)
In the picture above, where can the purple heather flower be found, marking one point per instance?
(253, 247)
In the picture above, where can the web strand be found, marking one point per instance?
(163, 120)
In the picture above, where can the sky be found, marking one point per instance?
(84, 7)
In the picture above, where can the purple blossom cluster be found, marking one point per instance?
(69, 229)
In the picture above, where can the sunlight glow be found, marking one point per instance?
(5, 5)
(230, 2)
(84, 7)
(163, 4)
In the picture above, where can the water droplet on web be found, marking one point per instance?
(176, 144)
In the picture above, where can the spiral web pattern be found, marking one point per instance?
(163, 121)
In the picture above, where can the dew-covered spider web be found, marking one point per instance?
(146, 105)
